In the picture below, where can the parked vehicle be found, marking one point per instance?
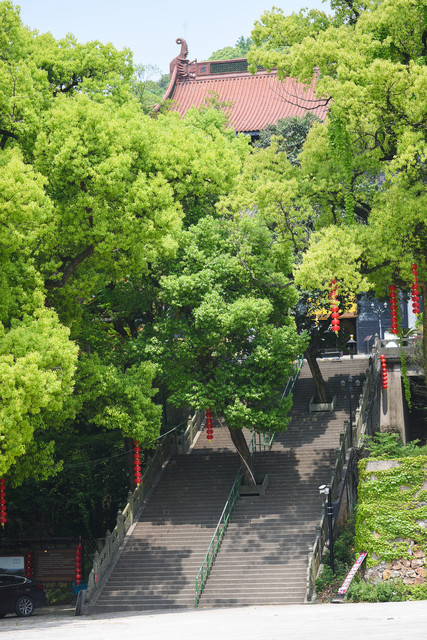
(20, 595)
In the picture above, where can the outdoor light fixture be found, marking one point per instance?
(350, 389)
(326, 490)
(379, 310)
(351, 344)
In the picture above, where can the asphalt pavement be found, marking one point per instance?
(379, 621)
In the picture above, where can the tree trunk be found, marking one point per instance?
(319, 382)
(242, 448)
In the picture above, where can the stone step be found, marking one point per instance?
(263, 557)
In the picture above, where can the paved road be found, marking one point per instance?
(381, 621)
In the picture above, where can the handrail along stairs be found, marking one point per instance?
(258, 442)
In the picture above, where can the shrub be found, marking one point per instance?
(389, 446)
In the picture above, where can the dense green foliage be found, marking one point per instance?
(389, 591)
(390, 509)
(226, 339)
(389, 446)
(328, 582)
(109, 230)
(290, 135)
(81, 500)
(240, 50)
(94, 192)
(145, 258)
(363, 175)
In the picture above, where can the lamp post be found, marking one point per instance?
(379, 310)
(350, 390)
(326, 490)
(351, 345)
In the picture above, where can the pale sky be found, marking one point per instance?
(150, 27)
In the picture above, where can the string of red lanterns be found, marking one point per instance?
(393, 309)
(29, 564)
(415, 291)
(333, 292)
(78, 563)
(3, 512)
(209, 424)
(384, 370)
(137, 463)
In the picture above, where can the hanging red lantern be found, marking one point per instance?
(137, 463)
(78, 563)
(384, 370)
(415, 290)
(29, 564)
(393, 309)
(333, 292)
(209, 424)
(3, 512)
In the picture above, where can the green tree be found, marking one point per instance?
(290, 135)
(37, 367)
(149, 92)
(367, 167)
(273, 185)
(93, 193)
(226, 339)
(240, 50)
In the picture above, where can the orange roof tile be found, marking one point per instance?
(257, 100)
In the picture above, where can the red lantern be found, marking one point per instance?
(137, 463)
(3, 512)
(415, 290)
(29, 564)
(209, 424)
(384, 370)
(78, 563)
(393, 309)
(333, 292)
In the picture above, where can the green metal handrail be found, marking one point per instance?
(291, 382)
(217, 537)
(265, 441)
(258, 442)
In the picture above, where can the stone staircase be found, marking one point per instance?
(263, 557)
(159, 564)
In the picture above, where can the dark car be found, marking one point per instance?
(20, 595)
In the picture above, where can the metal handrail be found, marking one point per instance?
(291, 382)
(217, 537)
(265, 442)
(268, 438)
(366, 400)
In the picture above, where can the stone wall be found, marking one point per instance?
(410, 571)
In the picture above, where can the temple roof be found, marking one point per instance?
(256, 100)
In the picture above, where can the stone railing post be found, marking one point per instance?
(131, 507)
(120, 526)
(346, 433)
(107, 546)
(310, 578)
(92, 582)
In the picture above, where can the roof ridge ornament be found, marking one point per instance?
(180, 62)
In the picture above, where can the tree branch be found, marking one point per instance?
(6, 135)
(66, 271)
